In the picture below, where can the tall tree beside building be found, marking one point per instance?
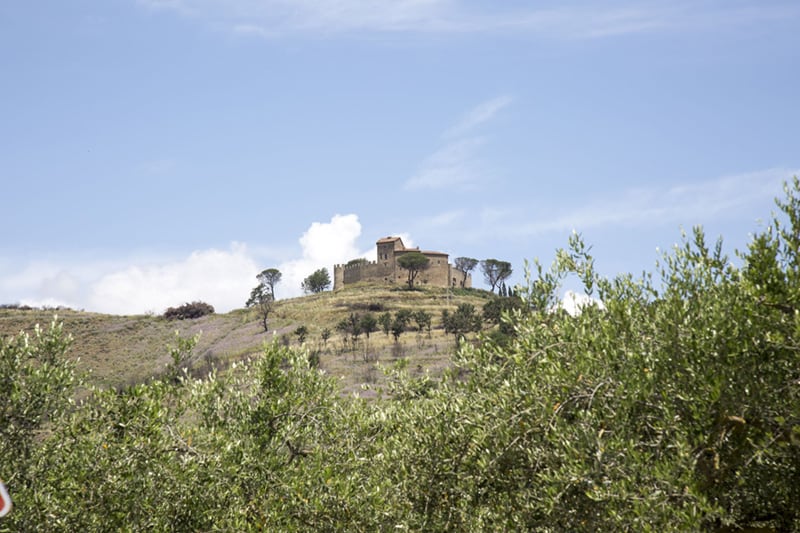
(465, 265)
(414, 263)
(495, 271)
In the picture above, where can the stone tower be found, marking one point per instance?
(385, 269)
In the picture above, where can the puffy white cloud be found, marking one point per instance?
(573, 302)
(40, 284)
(324, 244)
(222, 278)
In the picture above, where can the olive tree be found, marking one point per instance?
(462, 321)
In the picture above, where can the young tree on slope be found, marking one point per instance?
(316, 282)
(270, 277)
(262, 299)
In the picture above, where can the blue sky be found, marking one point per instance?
(154, 152)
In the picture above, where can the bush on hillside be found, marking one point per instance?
(16, 307)
(188, 311)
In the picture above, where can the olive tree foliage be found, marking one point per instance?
(317, 282)
(153, 457)
(465, 265)
(413, 263)
(677, 408)
(36, 384)
(674, 407)
(495, 272)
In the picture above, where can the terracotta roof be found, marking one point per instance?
(423, 252)
(387, 240)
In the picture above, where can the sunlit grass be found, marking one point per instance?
(118, 350)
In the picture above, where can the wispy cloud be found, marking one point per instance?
(484, 112)
(272, 18)
(655, 206)
(447, 218)
(251, 29)
(454, 165)
(458, 163)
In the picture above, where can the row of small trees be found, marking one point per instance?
(459, 322)
(495, 272)
(262, 297)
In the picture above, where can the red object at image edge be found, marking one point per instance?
(5, 500)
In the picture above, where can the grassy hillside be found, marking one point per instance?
(118, 350)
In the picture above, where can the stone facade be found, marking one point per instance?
(440, 273)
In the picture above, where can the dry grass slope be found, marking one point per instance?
(119, 350)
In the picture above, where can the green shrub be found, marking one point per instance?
(189, 311)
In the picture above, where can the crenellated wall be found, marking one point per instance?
(440, 272)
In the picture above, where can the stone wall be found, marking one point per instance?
(440, 272)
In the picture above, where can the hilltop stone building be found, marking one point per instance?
(440, 273)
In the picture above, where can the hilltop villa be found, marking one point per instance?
(385, 269)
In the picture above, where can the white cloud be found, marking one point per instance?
(574, 303)
(41, 283)
(454, 165)
(478, 115)
(653, 206)
(457, 163)
(324, 244)
(408, 242)
(222, 278)
(445, 219)
(272, 18)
